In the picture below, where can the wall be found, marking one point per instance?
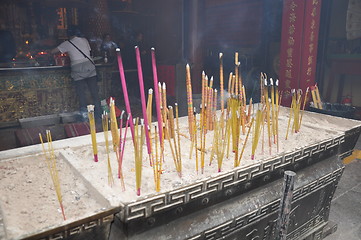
(337, 32)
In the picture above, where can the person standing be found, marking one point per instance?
(83, 70)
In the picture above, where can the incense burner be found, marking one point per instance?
(232, 202)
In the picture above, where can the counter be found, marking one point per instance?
(36, 91)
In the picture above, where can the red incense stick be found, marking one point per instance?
(125, 90)
(157, 98)
(142, 97)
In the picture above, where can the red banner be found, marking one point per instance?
(310, 43)
(300, 24)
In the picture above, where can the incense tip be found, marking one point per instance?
(159, 84)
(117, 49)
(187, 65)
(277, 82)
(203, 72)
(211, 78)
(138, 192)
(175, 104)
(95, 157)
(164, 87)
(271, 81)
(135, 47)
(220, 55)
(90, 108)
(153, 49)
(150, 91)
(170, 107)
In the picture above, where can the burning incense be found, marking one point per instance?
(273, 111)
(189, 100)
(51, 163)
(113, 125)
(93, 131)
(165, 111)
(125, 90)
(149, 104)
(157, 98)
(221, 81)
(105, 130)
(178, 135)
(142, 98)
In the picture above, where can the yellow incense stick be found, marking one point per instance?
(113, 125)
(105, 130)
(221, 80)
(304, 104)
(149, 105)
(93, 131)
(291, 110)
(245, 142)
(51, 164)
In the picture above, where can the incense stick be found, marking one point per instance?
(142, 98)
(105, 131)
(93, 131)
(51, 164)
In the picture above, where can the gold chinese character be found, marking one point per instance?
(313, 14)
(293, 17)
(310, 47)
(289, 63)
(288, 73)
(308, 80)
(310, 60)
(291, 41)
(313, 24)
(291, 29)
(288, 84)
(293, 6)
(289, 52)
(312, 36)
(315, 2)
(309, 71)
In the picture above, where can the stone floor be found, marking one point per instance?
(346, 204)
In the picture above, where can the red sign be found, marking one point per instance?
(300, 24)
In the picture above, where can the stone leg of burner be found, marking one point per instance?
(285, 205)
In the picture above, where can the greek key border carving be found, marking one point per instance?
(84, 227)
(147, 207)
(256, 215)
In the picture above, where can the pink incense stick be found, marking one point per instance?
(142, 97)
(120, 141)
(157, 98)
(125, 90)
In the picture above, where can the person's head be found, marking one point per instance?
(74, 31)
(106, 37)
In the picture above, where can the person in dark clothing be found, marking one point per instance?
(7, 46)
